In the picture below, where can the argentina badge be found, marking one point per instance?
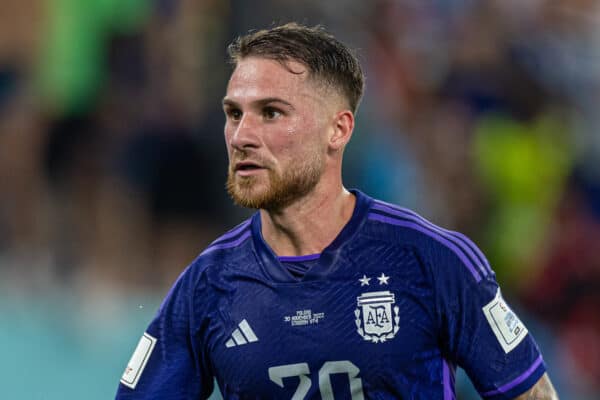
(377, 319)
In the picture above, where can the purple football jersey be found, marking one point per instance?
(386, 311)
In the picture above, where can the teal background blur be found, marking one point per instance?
(480, 115)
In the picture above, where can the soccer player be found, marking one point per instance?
(324, 293)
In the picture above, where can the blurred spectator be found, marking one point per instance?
(565, 290)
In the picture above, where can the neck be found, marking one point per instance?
(309, 224)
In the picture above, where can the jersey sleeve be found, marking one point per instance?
(479, 331)
(166, 363)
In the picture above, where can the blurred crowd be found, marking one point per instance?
(480, 115)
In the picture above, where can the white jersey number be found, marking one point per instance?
(276, 374)
(301, 370)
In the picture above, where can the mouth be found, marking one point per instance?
(245, 168)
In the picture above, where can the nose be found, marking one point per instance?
(244, 134)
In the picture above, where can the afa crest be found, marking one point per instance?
(374, 319)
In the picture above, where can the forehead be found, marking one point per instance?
(255, 78)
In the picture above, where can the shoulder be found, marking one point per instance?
(227, 248)
(230, 240)
(408, 226)
(439, 246)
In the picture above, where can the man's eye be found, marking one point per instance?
(234, 114)
(271, 113)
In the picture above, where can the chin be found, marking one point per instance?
(276, 192)
(248, 194)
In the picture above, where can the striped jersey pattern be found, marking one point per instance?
(462, 246)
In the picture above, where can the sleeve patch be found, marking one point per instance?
(505, 324)
(138, 361)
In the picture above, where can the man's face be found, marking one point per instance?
(275, 131)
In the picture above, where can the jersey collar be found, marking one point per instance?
(273, 268)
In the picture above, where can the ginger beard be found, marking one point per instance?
(279, 190)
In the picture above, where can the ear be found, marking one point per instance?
(343, 125)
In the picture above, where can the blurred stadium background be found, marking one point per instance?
(482, 115)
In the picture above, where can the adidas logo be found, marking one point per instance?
(242, 335)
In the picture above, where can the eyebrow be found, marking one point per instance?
(259, 102)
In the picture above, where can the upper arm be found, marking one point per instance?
(479, 331)
(168, 367)
(542, 390)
